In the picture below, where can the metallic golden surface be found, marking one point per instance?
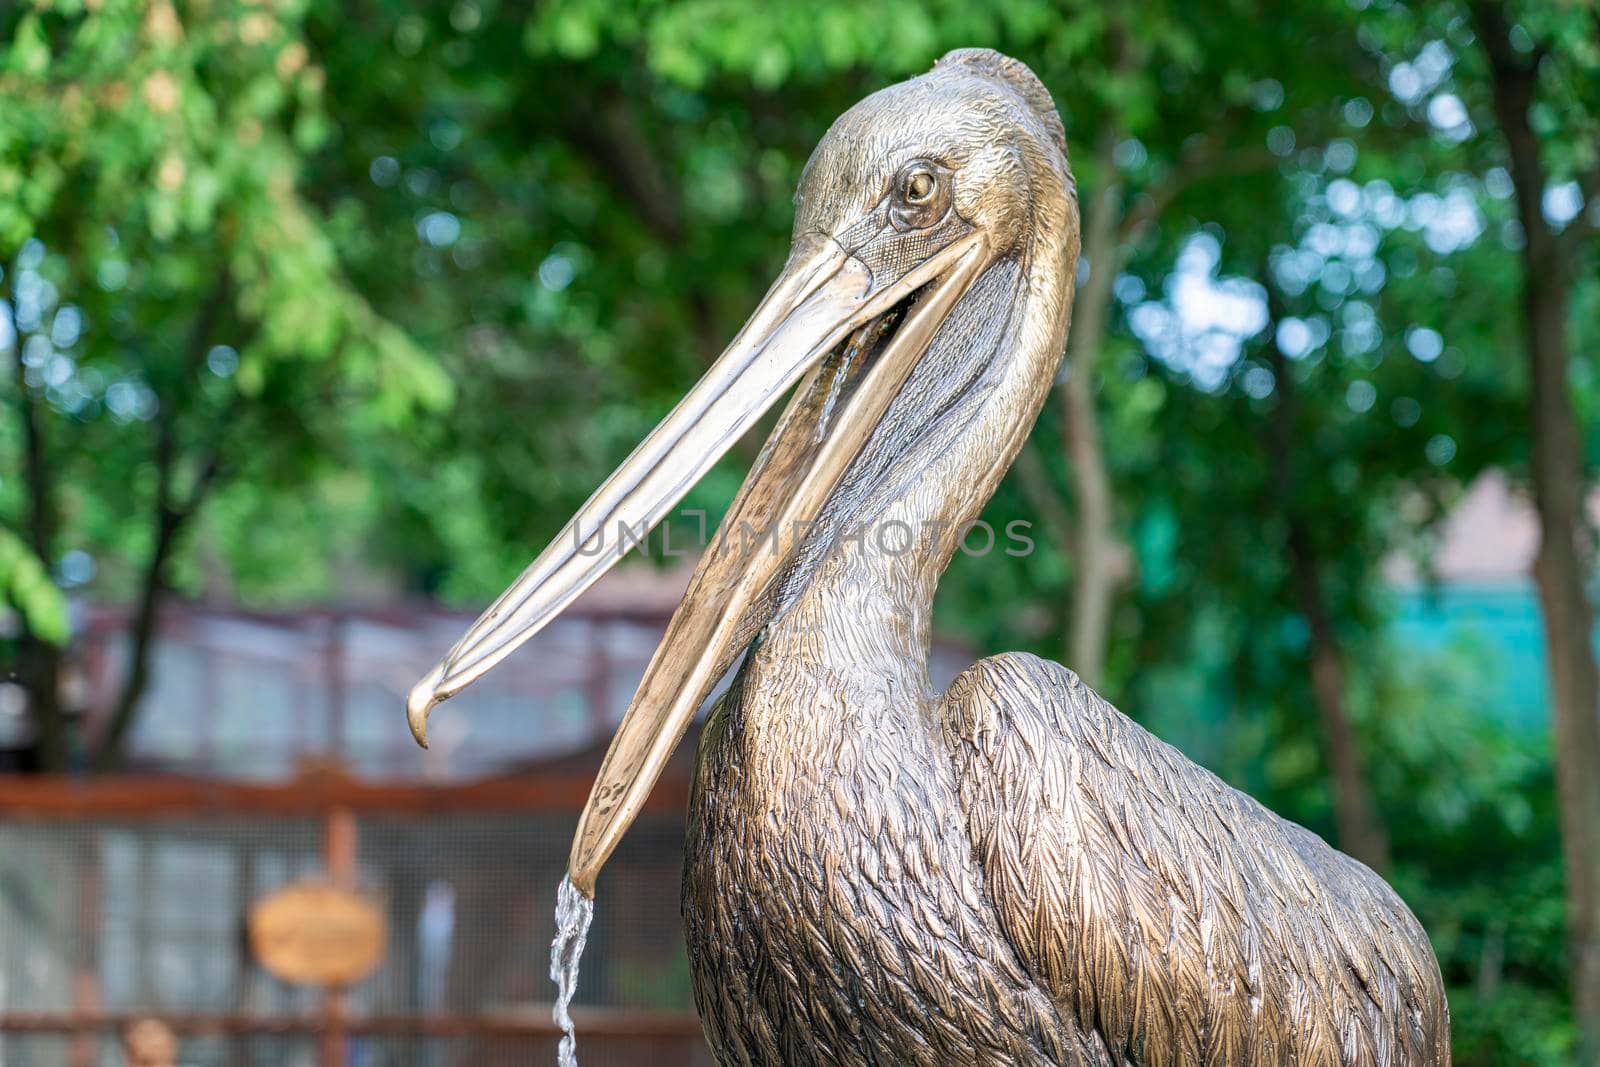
(1008, 872)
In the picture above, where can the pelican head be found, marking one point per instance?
(912, 206)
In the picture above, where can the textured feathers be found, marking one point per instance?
(1173, 914)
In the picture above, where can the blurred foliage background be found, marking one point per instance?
(313, 301)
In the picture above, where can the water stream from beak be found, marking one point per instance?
(574, 913)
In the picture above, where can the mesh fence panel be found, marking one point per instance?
(48, 1050)
(471, 900)
(132, 917)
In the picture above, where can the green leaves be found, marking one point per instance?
(29, 54)
(25, 584)
(153, 159)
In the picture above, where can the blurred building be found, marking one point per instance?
(1477, 596)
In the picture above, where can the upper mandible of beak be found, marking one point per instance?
(819, 298)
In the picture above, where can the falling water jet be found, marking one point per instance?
(574, 913)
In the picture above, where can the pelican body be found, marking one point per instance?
(1006, 872)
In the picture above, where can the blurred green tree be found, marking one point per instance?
(175, 309)
(1513, 91)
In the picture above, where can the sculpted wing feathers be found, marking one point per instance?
(1173, 914)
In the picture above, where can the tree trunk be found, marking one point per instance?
(1360, 828)
(170, 520)
(1101, 561)
(1558, 489)
(39, 661)
(1560, 575)
(171, 515)
(142, 634)
(1361, 832)
(39, 673)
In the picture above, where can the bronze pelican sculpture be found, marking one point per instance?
(1008, 872)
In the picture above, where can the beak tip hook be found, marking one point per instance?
(421, 701)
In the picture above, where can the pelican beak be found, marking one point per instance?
(825, 302)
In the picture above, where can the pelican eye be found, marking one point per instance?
(921, 195)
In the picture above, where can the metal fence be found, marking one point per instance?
(126, 899)
(253, 696)
(250, 696)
